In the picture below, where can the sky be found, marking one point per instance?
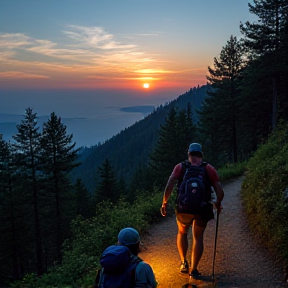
(84, 58)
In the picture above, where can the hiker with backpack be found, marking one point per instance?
(193, 207)
(121, 266)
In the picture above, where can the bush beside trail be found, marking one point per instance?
(231, 171)
(265, 193)
(90, 237)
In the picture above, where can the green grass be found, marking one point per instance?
(230, 171)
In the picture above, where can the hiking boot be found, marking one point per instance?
(184, 268)
(195, 274)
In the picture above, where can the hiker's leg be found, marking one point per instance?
(182, 243)
(198, 229)
(184, 223)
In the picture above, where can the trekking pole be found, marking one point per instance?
(215, 244)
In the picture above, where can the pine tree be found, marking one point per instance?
(83, 200)
(175, 135)
(122, 187)
(187, 132)
(191, 129)
(139, 183)
(9, 249)
(166, 153)
(107, 188)
(255, 104)
(265, 39)
(58, 158)
(223, 108)
(266, 34)
(212, 141)
(15, 217)
(182, 135)
(27, 160)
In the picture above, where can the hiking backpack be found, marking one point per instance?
(118, 268)
(194, 191)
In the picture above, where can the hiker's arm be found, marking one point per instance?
(173, 179)
(220, 195)
(215, 181)
(169, 188)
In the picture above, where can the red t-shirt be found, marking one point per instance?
(213, 175)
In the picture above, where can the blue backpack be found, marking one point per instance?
(118, 268)
(194, 192)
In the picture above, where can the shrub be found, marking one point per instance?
(263, 193)
(91, 236)
(230, 171)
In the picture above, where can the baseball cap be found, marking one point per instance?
(128, 236)
(195, 147)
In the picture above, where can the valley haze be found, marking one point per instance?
(87, 114)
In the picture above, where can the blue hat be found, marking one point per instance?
(195, 147)
(128, 236)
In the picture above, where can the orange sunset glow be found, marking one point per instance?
(84, 47)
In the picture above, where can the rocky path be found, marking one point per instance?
(240, 261)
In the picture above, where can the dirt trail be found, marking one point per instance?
(240, 261)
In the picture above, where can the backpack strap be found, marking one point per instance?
(207, 181)
(135, 260)
(204, 164)
(184, 165)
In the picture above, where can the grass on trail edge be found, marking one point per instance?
(230, 171)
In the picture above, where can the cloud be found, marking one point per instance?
(147, 34)
(6, 55)
(85, 53)
(20, 75)
(48, 48)
(89, 44)
(95, 37)
(137, 35)
(12, 41)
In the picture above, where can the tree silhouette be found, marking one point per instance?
(266, 37)
(222, 107)
(58, 158)
(27, 160)
(107, 188)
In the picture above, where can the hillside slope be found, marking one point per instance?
(132, 146)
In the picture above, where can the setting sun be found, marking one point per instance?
(146, 85)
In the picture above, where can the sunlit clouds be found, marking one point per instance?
(95, 37)
(21, 75)
(85, 56)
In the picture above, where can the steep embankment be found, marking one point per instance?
(240, 261)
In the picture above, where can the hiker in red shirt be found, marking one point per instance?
(197, 176)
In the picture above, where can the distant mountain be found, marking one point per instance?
(132, 146)
(138, 109)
